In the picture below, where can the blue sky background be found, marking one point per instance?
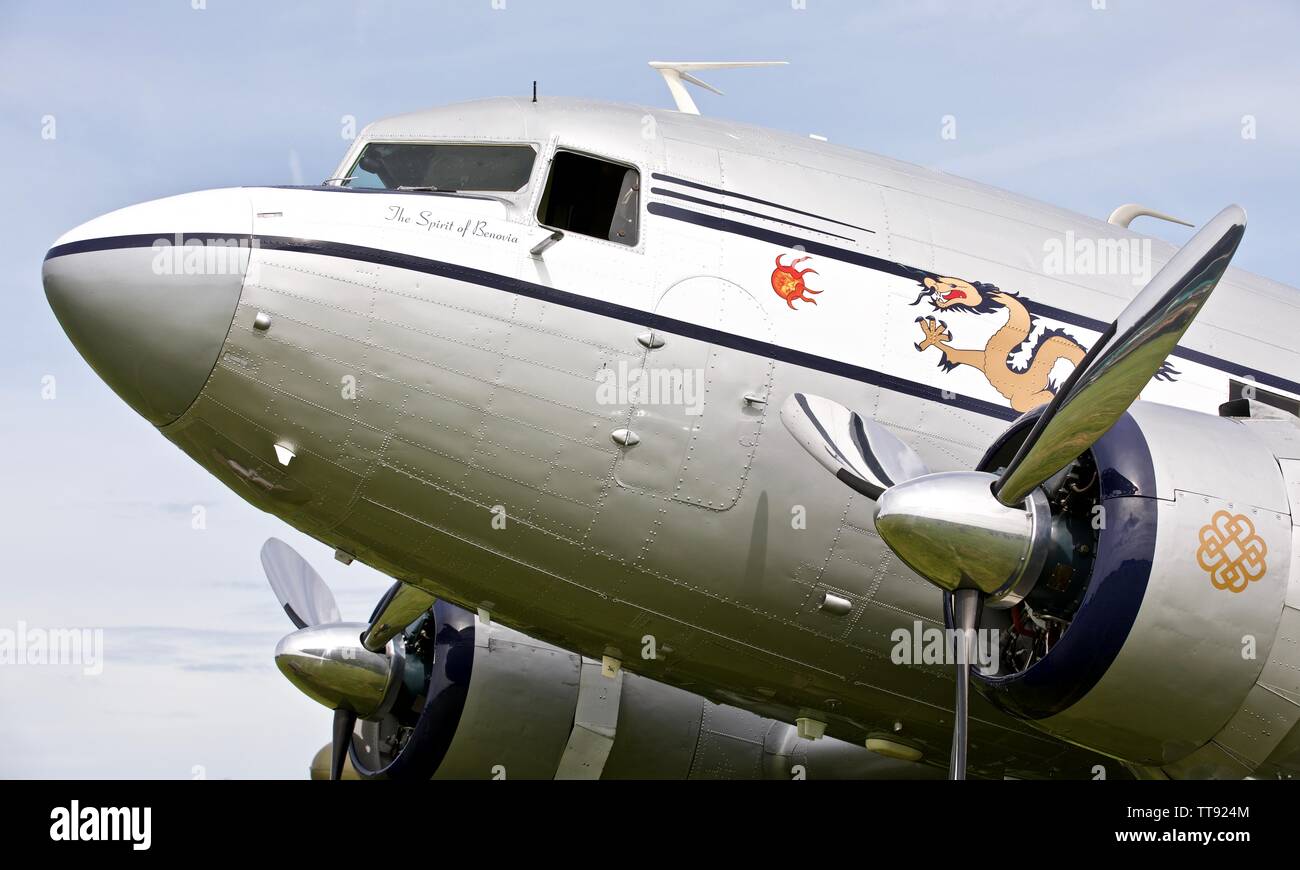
(1086, 108)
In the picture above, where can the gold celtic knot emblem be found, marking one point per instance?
(1231, 551)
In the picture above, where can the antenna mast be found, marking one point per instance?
(676, 73)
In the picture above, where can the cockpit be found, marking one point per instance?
(442, 167)
(581, 193)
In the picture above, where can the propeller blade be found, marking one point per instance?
(860, 452)
(344, 722)
(301, 591)
(1124, 360)
(966, 606)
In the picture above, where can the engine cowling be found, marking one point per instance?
(499, 704)
(1160, 629)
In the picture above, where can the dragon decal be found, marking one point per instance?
(1025, 387)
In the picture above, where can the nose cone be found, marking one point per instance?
(950, 529)
(147, 294)
(329, 665)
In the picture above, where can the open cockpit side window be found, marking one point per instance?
(442, 167)
(592, 197)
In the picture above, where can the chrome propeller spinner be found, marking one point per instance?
(983, 537)
(353, 668)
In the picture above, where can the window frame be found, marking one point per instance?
(354, 158)
(584, 152)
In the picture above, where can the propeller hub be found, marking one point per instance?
(950, 529)
(329, 665)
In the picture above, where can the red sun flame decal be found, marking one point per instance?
(788, 282)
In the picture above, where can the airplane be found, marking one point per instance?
(577, 375)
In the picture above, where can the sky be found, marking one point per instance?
(1182, 105)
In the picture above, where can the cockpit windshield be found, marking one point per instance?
(442, 167)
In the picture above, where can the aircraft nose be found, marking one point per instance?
(147, 294)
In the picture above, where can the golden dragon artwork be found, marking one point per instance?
(1025, 387)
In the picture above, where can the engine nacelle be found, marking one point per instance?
(499, 704)
(1161, 630)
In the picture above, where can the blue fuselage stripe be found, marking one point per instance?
(663, 191)
(636, 316)
(889, 267)
(695, 185)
